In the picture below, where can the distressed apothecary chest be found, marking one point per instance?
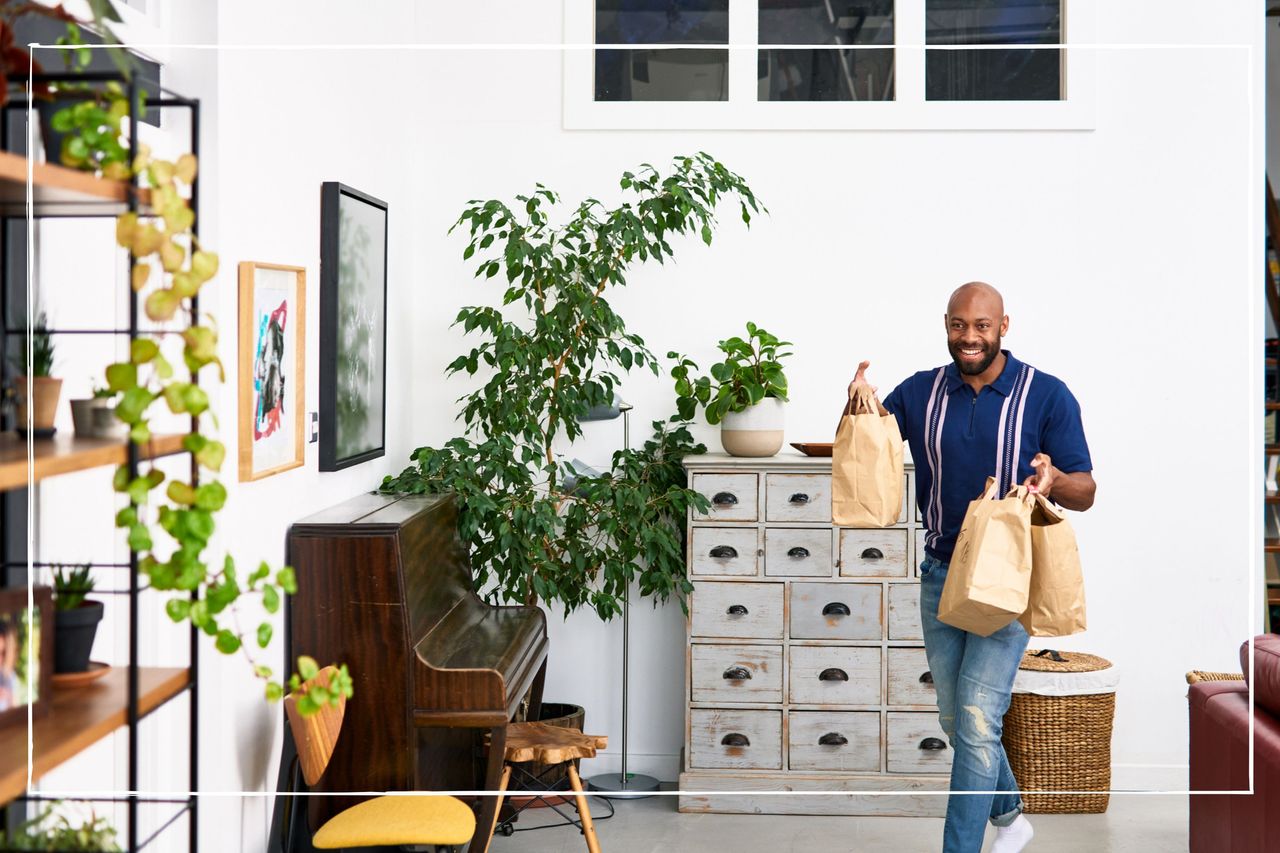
(805, 667)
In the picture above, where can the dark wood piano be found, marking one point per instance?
(384, 586)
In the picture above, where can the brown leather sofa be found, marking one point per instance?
(1237, 823)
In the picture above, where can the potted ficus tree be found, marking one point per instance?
(36, 389)
(745, 392)
(75, 618)
(538, 531)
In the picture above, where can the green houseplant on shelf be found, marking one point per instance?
(51, 830)
(75, 617)
(537, 530)
(38, 396)
(745, 392)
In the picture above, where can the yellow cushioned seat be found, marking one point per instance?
(414, 819)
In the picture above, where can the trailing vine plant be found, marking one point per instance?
(172, 266)
(537, 529)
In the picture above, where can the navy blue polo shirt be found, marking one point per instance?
(958, 439)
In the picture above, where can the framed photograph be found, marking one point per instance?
(353, 326)
(26, 653)
(273, 312)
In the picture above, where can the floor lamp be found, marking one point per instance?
(623, 784)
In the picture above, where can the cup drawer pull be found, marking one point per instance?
(832, 739)
(926, 677)
(735, 739)
(737, 610)
(798, 498)
(725, 499)
(798, 553)
(932, 743)
(833, 674)
(836, 608)
(872, 554)
(737, 673)
(724, 552)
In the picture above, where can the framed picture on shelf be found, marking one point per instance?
(273, 312)
(353, 326)
(26, 653)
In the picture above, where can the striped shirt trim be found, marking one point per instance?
(935, 414)
(1010, 431)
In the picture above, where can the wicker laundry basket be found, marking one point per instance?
(1057, 731)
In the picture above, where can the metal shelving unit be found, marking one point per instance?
(82, 716)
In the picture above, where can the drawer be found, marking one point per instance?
(873, 553)
(916, 743)
(798, 497)
(836, 611)
(919, 555)
(910, 682)
(732, 496)
(825, 740)
(737, 673)
(904, 612)
(834, 675)
(724, 551)
(745, 610)
(740, 740)
(798, 552)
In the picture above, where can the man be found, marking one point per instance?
(985, 415)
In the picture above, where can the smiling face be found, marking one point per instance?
(976, 322)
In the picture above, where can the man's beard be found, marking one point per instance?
(989, 353)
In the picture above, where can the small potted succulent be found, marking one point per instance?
(95, 417)
(44, 391)
(745, 392)
(75, 618)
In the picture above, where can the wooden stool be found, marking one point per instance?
(551, 745)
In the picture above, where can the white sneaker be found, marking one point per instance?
(1014, 837)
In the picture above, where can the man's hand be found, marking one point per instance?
(1074, 491)
(860, 379)
(1042, 480)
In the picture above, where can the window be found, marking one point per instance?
(829, 64)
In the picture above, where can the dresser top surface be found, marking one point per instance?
(783, 460)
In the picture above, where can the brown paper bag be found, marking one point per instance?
(1055, 605)
(867, 479)
(990, 573)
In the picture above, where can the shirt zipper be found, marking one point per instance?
(973, 408)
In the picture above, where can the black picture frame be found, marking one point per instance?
(14, 628)
(352, 422)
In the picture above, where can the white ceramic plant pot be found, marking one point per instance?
(755, 431)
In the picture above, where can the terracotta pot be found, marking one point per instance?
(44, 401)
(755, 431)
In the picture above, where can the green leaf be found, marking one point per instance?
(133, 404)
(270, 598)
(307, 667)
(211, 496)
(140, 433)
(287, 580)
(264, 635)
(139, 538)
(126, 517)
(122, 376)
(227, 642)
(120, 480)
(141, 351)
(181, 493)
(177, 608)
(211, 455)
(274, 691)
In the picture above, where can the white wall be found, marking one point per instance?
(1123, 254)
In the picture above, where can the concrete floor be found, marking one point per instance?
(1146, 823)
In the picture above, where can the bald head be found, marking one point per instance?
(965, 294)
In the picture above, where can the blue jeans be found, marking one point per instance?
(974, 679)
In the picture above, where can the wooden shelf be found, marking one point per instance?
(78, 718)
(64, 454)
(59, 191)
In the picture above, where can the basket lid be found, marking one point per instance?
(1051, 660)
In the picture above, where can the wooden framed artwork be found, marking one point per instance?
(26, 653)
(353, 326)
(273, 311)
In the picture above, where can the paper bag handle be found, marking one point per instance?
(863, 402)
(1052, 653)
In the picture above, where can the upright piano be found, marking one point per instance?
(384, 585)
